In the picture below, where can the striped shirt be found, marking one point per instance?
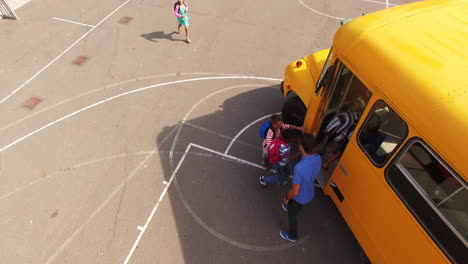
(284, 150)
(269, 137)
(341, 125)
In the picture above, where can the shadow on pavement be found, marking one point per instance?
(154, 36)
(220, 212)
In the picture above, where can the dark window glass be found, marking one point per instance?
(435, 195)
(444, 191)
(382, 133)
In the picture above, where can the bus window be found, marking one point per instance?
(382, 133)
(435, 195)
(341, 89)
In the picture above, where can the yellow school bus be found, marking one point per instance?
(401, 180)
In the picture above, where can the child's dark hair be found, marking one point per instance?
(177, 3)
(275, 118)
(308, 143)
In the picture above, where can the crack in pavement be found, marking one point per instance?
(124, 189)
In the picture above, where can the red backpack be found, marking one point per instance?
(274, 156)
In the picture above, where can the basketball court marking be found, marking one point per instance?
(127, 93)
(386, 3)
(174, 142)
(243, 130)
(204, 225)
(115, 191)
(73, 22)
(106, 87)
(62, 53)
(318, 12)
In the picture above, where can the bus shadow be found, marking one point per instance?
(219, 212)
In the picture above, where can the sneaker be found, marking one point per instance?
(285, 207)
(262, 182)
(285, 235)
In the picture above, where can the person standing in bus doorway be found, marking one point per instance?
(180, 11)
(302, 191)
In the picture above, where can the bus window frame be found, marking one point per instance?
(439, 236)
(327, 70)
(397, 147)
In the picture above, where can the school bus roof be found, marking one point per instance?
(416, 55)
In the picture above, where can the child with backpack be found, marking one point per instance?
(180, 11)
(279, 154)
(271, 130)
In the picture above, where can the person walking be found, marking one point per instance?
(180, 11)
(302, 191)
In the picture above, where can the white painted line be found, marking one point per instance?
(140, 228)
(102, 88)
(378, 2)
(156, 206)
(228, 156)
(174, 143)
(131, 92)
(73, 22)
(116, 190)
(163, 194)
(61, 54)
(48, 177)
(222, 237)
(243, 130)
(19, 189)
(165, 182)
(220, 135)
(6, 195)
(122, 155)
(320, 13)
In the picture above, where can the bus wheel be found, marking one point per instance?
(294, 111)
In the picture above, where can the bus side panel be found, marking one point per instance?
(299, 80)
(385, 228)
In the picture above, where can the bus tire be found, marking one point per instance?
(294, 111)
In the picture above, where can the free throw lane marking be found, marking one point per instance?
(176, 138)
(210, 230)
(73, 22)
(155, 208)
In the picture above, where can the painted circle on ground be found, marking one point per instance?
(386, 4)
(197, 218)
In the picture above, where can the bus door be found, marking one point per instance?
(358, 185)
(342, 109)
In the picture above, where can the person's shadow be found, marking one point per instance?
(154, 36)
